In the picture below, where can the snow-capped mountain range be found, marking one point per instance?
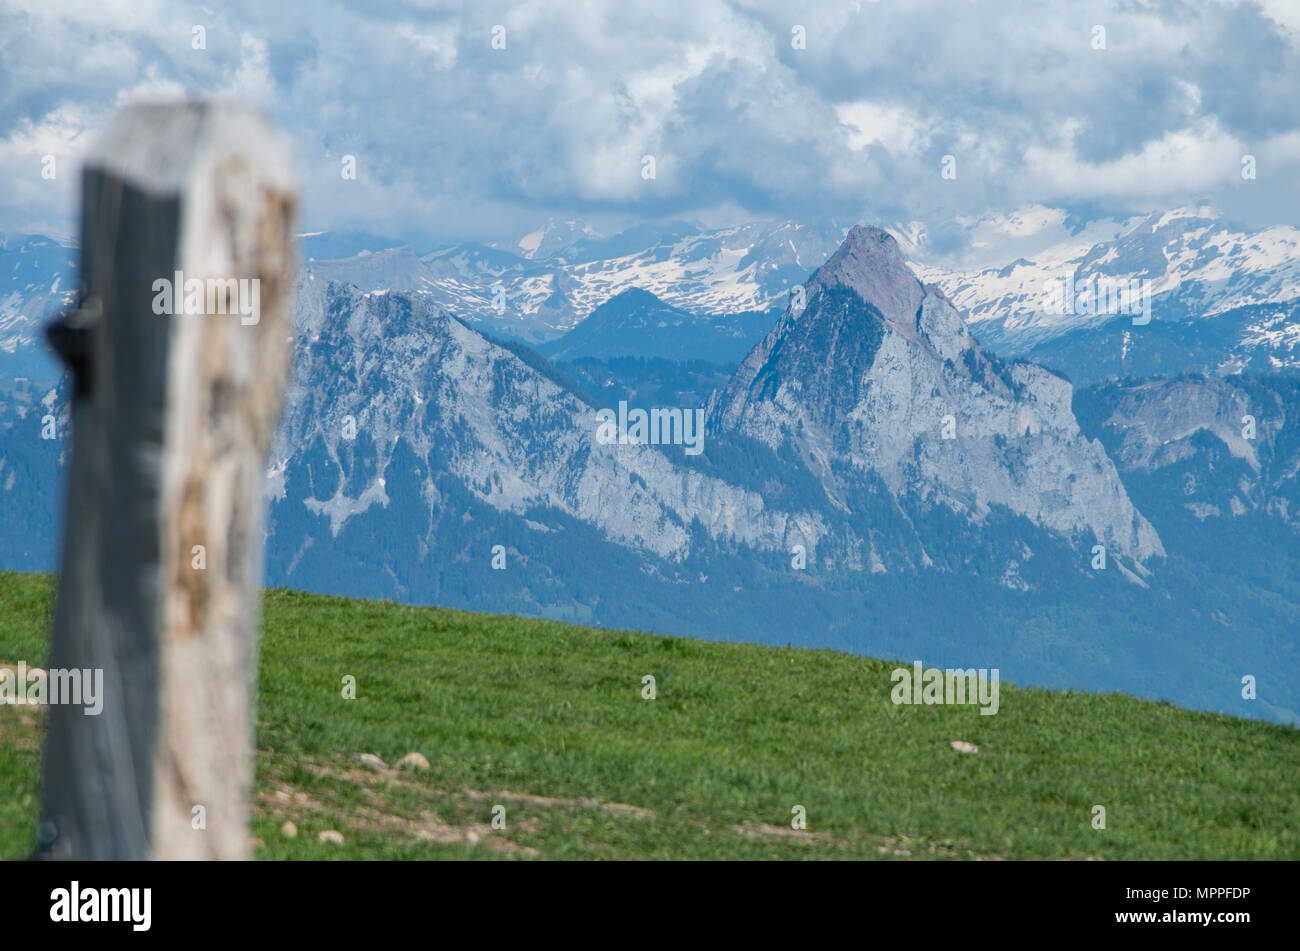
(38, 278)
(872, 478)
(859, 383)
(1194, 266)
(1221, 298)
(536, 298)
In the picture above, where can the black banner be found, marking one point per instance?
(1219, 901)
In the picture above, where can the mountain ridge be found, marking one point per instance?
(925, 407)
(857, 465)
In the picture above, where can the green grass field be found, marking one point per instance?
(547, 720)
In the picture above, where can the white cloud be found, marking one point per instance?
(1189, 160)
(252, 82)
(438, 41)
(556, 124)
(892, 127)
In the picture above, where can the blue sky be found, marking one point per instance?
(455, 140)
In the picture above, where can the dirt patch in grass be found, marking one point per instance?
(367, 776)
(287, 802)
(761, 830)
(893, 846)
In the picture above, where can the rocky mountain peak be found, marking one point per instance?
(883, 377)
(870, 262)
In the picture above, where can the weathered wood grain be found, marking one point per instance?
(168, 457)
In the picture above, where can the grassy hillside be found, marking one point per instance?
(547, 720)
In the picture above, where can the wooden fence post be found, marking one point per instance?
(160, 585)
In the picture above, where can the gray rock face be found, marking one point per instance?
(402, 370)
(881, 371)
(876, 381)
(1159, 419)
(1219, 448)
(871, 264)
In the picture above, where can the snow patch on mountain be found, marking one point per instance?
(1193, 263)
